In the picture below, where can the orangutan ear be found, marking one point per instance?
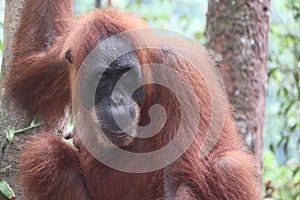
(68, 56)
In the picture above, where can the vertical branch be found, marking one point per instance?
(109, 3)
(98, 3)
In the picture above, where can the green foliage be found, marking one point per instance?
(283, 179)
(284, 88)
(294, 5)
(6, 190)
(10, 133)
(177, 15)
(282, 129)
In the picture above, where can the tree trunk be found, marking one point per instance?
(98, 3)
(8, 117)
(237, 30)
(109, 3)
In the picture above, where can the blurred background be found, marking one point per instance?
(281, 153)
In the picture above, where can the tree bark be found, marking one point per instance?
(98, 3)
(109, 3)
(9, 119)
(237, 30)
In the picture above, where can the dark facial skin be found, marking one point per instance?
(111, 100)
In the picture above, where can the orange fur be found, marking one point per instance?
(40, 80)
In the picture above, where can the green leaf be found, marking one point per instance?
(296, 171)
(198, 35)
(293, 128)
(272, 71)
(271, 147)
(10, 134)
(285, 92)
(6, 190)
(33, 124)
(287, 109)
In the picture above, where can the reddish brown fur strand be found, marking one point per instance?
(38, 77)
(51, 169)
(40, 80)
